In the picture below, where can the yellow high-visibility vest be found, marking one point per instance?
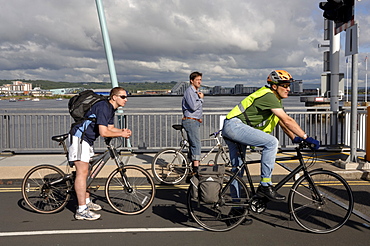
(269, 124)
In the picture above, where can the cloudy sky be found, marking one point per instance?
(234, 41)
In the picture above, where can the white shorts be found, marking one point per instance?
(79, 151)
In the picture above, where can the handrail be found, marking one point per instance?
(31, 131)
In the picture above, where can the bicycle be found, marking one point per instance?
(171, 166)
(320, 201)
(129, 189)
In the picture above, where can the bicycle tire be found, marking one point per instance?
(222, 157)
(40, 195)
(125, 201)
(170, 166)
(318, 217)
(224, 215)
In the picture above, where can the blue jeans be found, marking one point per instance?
(243, 134)
(192, 128)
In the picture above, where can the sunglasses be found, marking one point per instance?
(285, 85)
(122, 96)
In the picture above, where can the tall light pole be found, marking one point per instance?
(366, 79)
(106, 41)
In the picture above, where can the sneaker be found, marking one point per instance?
(86, 215)
(269, 192)
(93, 206)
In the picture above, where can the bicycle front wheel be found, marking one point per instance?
(45, 190)
(326, 213)
(170, 166)
(229, 212)
(131, 194)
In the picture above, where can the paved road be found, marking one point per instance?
(165, 223)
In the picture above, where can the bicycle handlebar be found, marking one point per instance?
(215, 134)
(304, 144)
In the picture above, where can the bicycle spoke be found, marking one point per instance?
(39, 192)
(324, 213)
(225, 215)
(170, 166)
(132, 199)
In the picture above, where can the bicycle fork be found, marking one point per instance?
(122, 171)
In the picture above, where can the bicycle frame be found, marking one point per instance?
(97, 163)
(184, 143)
(101, 160)
(301, 167)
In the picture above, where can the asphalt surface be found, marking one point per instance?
(14, 167)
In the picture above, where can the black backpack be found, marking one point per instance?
(81, 103)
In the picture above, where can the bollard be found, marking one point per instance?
(368, 135)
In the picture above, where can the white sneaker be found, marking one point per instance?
(93, 206)
(86, 214)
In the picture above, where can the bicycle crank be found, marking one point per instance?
(258, 204)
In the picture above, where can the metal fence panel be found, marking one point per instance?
(32, 132)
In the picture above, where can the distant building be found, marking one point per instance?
(64, 91)
(249, 90)
(216, 90)
(37, 92)
(16, 88)
(296, 87)
(238, 89)
(180, 88)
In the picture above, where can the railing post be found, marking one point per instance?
(368, 134)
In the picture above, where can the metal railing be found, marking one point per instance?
(32, 131)
(361, 128)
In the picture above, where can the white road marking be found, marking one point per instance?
(120, 230)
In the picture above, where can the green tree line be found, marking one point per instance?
(129, 86)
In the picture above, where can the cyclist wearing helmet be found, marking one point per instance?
(253, 119)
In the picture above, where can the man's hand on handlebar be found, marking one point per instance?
(312, 143)
(297, 140)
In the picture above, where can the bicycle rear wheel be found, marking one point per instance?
(326, 216)
(170, 166)
(134, 199)
(44, 190)
(226, 214)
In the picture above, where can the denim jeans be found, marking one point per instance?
(243, 134)
(192, 128)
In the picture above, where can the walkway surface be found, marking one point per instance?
(14, 167)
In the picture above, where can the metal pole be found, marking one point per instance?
(334, 82)
(110, 60)
(366, 80)
(347, 64)
(354, 89)
(106, 40)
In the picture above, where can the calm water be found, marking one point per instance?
(173, 102)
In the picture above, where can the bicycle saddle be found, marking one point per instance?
(177, 127)
(60, 138)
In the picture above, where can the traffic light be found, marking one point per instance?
(340, 11)
(330, 9)
(345, 12)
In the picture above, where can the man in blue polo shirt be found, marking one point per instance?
(82, 138)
